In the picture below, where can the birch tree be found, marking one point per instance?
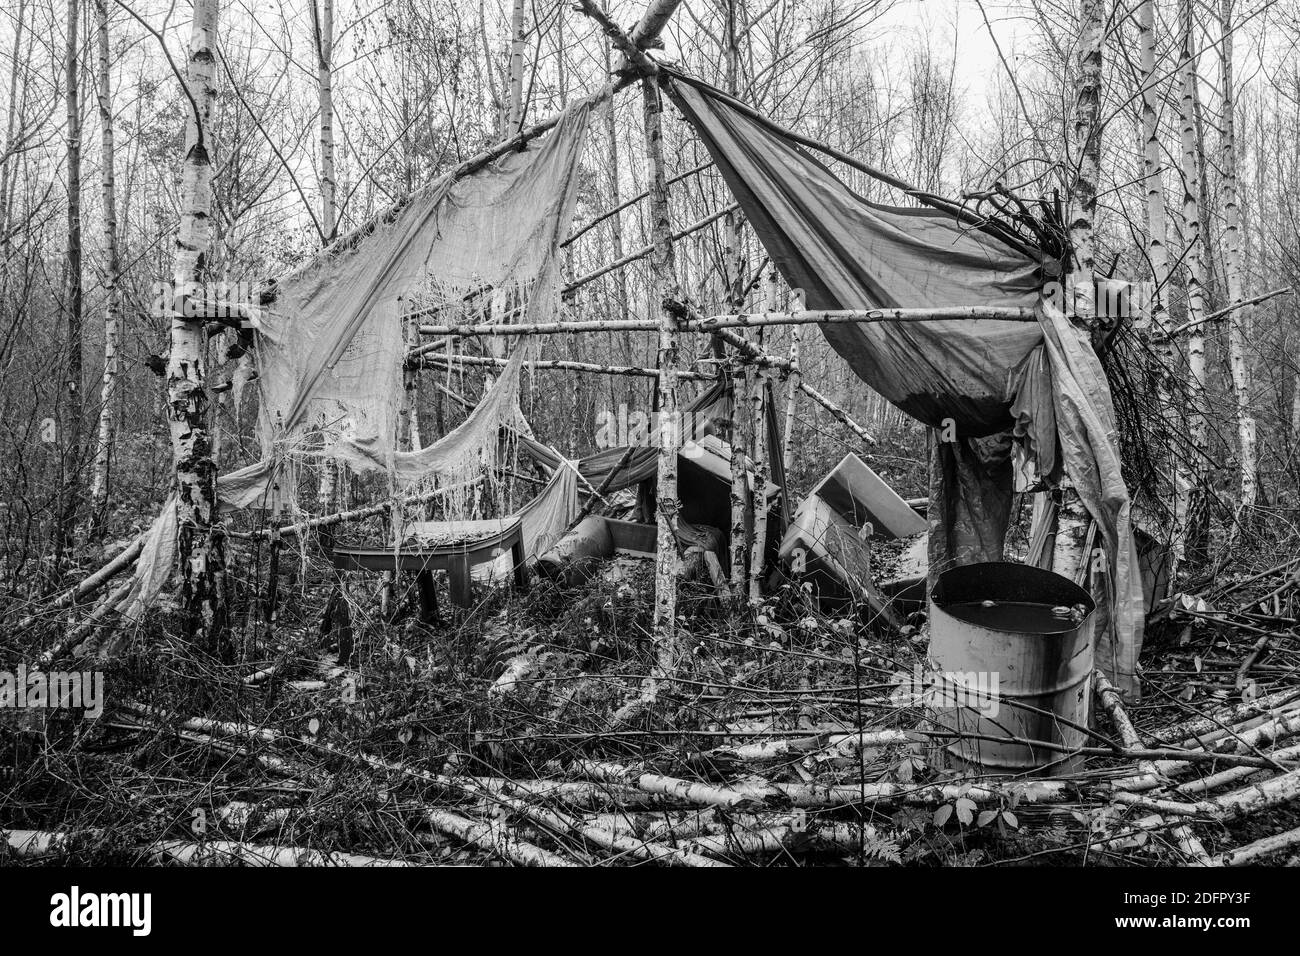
(1157, 251)
(323, 39)
(1239, 319)
(1194, 505)
(200, 543)
(72, 302)
(112, 275)
(664, 285)
(515, 110)
(1087, 152)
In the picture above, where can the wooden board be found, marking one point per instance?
(859, 495)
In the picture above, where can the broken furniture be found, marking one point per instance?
(451, 546)
(862, 497)
(830, 553)
(574, 558)
(828, 536)
(906, 584)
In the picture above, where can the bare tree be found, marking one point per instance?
(200, 542)
(1239, 319)
(73, 424)
(112, 276)
(1194, 504)
(1087, 155)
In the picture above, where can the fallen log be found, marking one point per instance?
(1233, 774)
(89, 584)
(687, 790)
(1267, 846)
(226, 852)
(1112, 703)
(493, 836)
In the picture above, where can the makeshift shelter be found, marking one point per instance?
(478, 249)
(994, 381)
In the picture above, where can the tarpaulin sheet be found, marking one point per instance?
(331, 346)
(846, 252)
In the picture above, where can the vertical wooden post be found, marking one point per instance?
(763, 454)
(758, 394)
(738, 373)
(738, 370)
(792, 390)
(664, 290)
(408, 419)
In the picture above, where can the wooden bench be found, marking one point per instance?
(451, 546)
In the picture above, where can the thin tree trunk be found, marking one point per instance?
(13, 122)
(664, 288)
(759, 393)
(112, 269)
(793, 301)
(1239, 319)
(408, 424)
(1194, 506)
(201, 551)
(515, 116)
(1152, 171)
(739, 380)
(73, 424)
(323, 26)
(616, 220)
(324, 16)
(1087, 153)
(1158, 254)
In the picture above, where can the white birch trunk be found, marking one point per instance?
(792, 393)
(112, 270)
(1239, 319)
(1158, 253)
(1192, 495)
(325, 97)
(515, 115)
(323, 17)
(664, 287)
(72, 425)
(741, 505)
(1087, 153)
(200, 543)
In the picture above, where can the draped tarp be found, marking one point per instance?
(479, 247)
(470, 249)
(846, 252)
(542, 521)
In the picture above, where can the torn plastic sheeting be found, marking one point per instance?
(845, 252)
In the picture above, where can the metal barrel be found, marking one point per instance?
(1041, 687)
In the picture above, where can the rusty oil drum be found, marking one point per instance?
(1043, 661)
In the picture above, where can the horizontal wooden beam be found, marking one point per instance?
(442, 361)
(970, 313)
(974, 313)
